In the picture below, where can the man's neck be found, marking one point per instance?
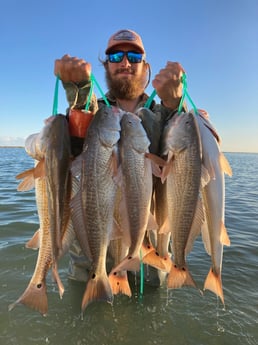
(128, 105)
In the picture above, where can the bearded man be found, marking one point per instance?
(127, 75)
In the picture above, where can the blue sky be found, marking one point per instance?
(215, 40)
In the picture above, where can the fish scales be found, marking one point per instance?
(96, 199)
(35, 295)
(137, 184)
(52, 197)
(182, 144)
(184, 187)
(213, 231)
(57, 164)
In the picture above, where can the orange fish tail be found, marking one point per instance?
(179, 277)
(129, 263)
(34, 297)
(119, 284)
(167, 263)
(98, 289)
(213, 283)
(153, 259)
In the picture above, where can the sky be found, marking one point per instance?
(216, 41)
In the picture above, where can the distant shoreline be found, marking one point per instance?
(11, 147)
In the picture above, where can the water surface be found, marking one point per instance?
(161, 316)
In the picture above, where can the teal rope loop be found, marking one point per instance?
(141, 275)
(93, 79)
(55, 102)
(150, 99)
(87, 105)
(186, 94)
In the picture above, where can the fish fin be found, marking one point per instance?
(165, 228)
(167, 262)
(209, 165)
(34, 297)
(156, 171)
(179, 277)
(156, 159)
(152, 224)
(146, 248)
(25, 173)
(206, 237)
(196, 226)
(129, 263)
(213, 283)
(116, 230)
(98, 289)
(205, 176)
(40, 169)
(27, 184)
(119, 284)
(67, 239)
(224, 164)
(156, 163)
(57, 279)
(224, 235)
(34, 242)
(153, 259)
(28, 181)
(30, 175)
(167, 168)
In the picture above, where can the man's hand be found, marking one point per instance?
(168, 84)
(72, 69)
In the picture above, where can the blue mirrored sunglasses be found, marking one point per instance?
(118, 56)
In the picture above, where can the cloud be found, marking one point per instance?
(11, 141)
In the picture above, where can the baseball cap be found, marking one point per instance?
(125, 36)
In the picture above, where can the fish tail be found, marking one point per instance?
(129, 263)
(213, 283)
(179, 277)
(34, 297)
(98, 289)
(154, 259)
(119, 284)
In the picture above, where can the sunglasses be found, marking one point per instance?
(118, 56)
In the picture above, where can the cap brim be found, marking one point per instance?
(113, 47)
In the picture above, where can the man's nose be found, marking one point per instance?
(125, 61)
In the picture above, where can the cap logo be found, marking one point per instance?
(124, 35)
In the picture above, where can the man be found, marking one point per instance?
(127, 76)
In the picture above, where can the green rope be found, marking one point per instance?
(93, 79)
(141, 275)
(185, 94)
(150, 99)
(89, 95)
(55, 102)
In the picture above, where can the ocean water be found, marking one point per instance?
(160, 316)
